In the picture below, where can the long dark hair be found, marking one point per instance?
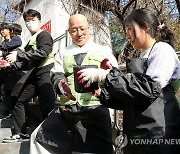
(147, 19)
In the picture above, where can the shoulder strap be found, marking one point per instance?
(151, 50)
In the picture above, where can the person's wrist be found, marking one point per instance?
(1, 53)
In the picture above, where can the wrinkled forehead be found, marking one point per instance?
(74, 26)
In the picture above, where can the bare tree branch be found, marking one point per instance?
(178, 7)
(128, 5)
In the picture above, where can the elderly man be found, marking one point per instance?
(81, 123)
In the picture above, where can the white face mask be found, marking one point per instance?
(32, 25)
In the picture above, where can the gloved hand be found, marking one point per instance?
(11, 57)
(91, 75)
(65, 90)
(4, 63)
(105, 64)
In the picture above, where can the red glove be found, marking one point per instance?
(65, 90)
(105, 64)
(4, 63)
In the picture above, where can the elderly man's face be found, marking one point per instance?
(79, 30)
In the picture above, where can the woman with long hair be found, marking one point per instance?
(146, 94)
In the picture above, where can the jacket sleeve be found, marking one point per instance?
(18, 66)
(44, 48)
(13, 43)
(57, 72)
(10, 45)
(56, 77)
(119, 88)
(15, 66)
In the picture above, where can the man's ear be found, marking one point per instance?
(69, 31)
(88, 26)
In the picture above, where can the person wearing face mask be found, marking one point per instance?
(32, 25)
(38, 59)
(148, 93)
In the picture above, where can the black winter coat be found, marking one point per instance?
(148, 111)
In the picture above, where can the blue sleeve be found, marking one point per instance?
(13, 43)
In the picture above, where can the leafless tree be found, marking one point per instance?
(8, 13)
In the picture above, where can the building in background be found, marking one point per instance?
(55, 15)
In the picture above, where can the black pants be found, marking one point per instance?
(40, 85)
(9, 79)
(77, 128)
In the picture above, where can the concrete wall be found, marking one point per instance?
(58, 14)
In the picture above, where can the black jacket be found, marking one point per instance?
(30, 58)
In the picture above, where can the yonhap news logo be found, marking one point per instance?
(157, 141)
(122, 140)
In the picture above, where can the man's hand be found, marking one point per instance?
(11, 57)
(65, 90)
(91, 75)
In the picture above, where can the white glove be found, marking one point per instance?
(12, 57)
(91, 75)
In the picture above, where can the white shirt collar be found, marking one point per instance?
(34, 36)
(84, 49)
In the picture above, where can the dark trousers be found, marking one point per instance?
(8, 80)
(40, 85)
(77, 128)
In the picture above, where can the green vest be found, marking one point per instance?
(84, 99)
(50, 57)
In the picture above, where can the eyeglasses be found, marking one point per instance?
(76, 30)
